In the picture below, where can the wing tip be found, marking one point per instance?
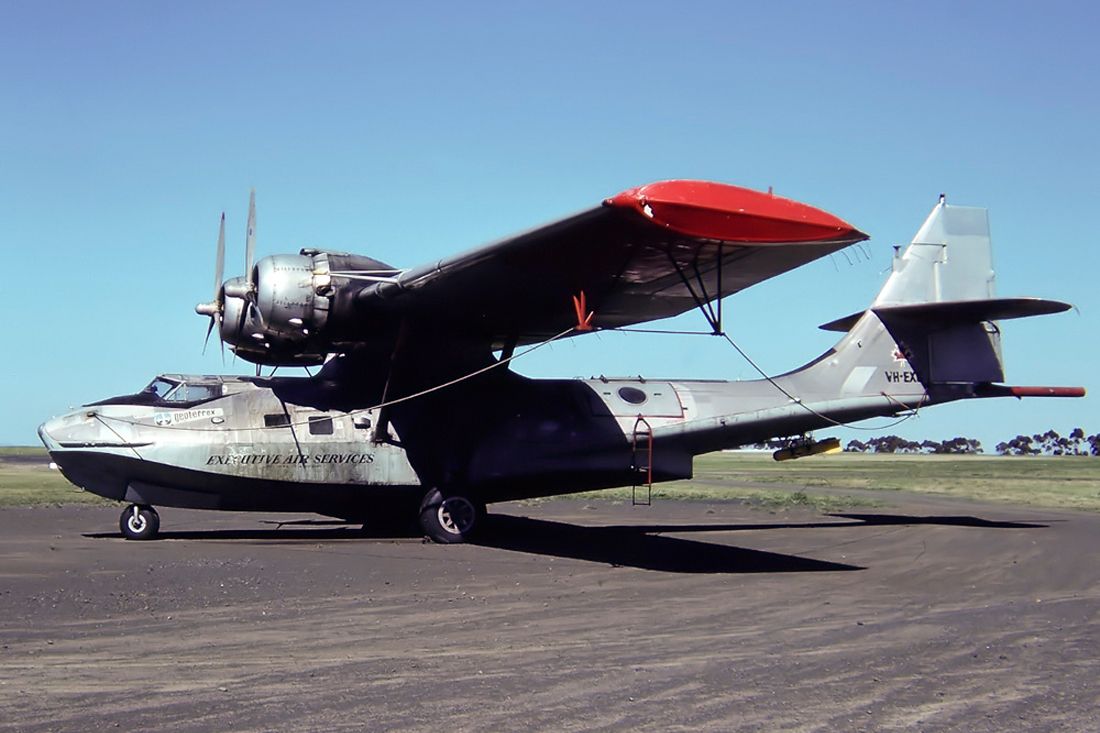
(724, 212)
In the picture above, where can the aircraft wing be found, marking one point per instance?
(648, 253)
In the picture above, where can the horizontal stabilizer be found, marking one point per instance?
(948, 313)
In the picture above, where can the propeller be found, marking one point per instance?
(246, 290)
(215, 308)
(243, 288)
(219, 271)
(250, 263)
(250, 242)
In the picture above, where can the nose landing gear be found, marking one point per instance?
(139, 522)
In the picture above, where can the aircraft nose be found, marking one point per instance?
(45, 431)
(88, 430)
(77, 429)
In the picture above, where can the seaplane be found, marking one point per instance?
(413, 410)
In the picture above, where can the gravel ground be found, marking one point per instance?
(929, 614)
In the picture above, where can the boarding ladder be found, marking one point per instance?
(641, 463)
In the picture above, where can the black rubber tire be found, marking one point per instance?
(451, 518)
(145, 526)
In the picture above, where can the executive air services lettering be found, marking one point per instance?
(264, 459)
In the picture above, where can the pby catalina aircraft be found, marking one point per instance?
(412, 410)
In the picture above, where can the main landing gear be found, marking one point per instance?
(139, 522)
(450, 519)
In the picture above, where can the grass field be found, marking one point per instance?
(827, 483)
(1065, 481)
(27, 480)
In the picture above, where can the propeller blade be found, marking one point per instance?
(219, 266)
(250, 238)
(215, 308)
(206, 340)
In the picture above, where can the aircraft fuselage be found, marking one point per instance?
(253, 448)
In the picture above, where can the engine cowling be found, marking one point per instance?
(286, 316)
(293, 293)
(292, 309)
(280, 317)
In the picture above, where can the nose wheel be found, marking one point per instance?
(139, 522)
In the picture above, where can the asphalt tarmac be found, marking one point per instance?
(927, 615)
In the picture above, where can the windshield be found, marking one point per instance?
(170, 392)
(194, 392)
(160, 387)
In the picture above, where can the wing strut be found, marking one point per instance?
(702, 299)
(508, 350)
(718, 331)
(381, 432)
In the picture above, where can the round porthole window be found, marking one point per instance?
(633, 395)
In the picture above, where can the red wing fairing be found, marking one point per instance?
(648, 253)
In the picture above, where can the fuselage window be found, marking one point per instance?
(633, 395)
(320, 426)
(276, 421)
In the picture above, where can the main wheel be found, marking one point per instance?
(139, 522)
(449, 519)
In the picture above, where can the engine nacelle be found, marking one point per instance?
(279, 318)
(286, 317)
(293, 296)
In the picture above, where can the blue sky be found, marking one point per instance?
(410, 132)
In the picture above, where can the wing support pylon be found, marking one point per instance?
(711, 308)
(381, 431)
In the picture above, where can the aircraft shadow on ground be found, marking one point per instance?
(640, 546)
(949, 521)
(619, 546)
(643, 546)
(290, 532)
(857, 520)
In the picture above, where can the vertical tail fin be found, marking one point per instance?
(949, 259)
(938, 310)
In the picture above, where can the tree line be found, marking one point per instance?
(1050, 443)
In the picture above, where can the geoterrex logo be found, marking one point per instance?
(184, 416)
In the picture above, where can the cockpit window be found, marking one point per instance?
(160, 387)
(193, 392)
(171, 392)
